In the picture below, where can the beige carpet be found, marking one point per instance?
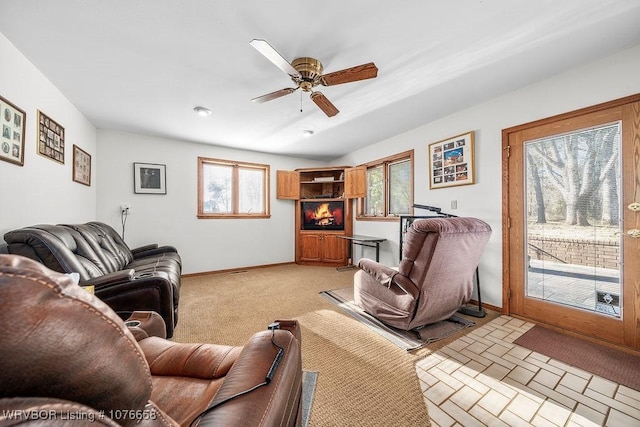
(364, 380)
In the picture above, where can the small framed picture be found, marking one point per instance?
(50, 138)
(81, 166)
(12, 141)
(149, 178)
(451, 162)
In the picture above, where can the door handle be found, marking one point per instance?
(634, 232)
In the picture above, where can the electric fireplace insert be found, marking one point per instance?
(322, 215)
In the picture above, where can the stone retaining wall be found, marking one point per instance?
(603, 254)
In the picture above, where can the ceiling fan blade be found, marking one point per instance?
(353, 74)
(274, 95)
(272, 55)
(324, 104)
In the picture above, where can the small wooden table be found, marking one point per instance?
(369, 241)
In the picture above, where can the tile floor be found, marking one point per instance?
(483, 379)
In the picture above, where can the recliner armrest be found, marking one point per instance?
(120, 276)
(269, 404)
(127, 291)
(144, 324)
(382, 273)
(204, 361)
(151, 250)
(388, 276)
(144, 248)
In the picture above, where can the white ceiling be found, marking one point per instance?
(142, 65)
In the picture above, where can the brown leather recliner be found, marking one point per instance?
(434, 277)
(67, 357)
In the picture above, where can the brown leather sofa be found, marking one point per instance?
(144, 278)
(68, 359)
(434, 277)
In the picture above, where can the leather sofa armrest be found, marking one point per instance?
(144, 248)
(120, 276)
(152, 250)
(144, 291)
(292, 326)
(276, 403)
(204, 361)
(144, 324)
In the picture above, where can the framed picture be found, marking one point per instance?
(50, 138)
(149, 178)
(451, 162)
(12, 141)
(81, 166)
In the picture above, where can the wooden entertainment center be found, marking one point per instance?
(323, 210)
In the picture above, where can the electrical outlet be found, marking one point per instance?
(125, 209)
(454, 204)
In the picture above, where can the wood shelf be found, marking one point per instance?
(323, 185)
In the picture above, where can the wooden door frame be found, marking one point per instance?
(507, 263)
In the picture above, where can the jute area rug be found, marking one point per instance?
(363, 379)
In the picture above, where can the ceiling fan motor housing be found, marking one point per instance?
(310, 69)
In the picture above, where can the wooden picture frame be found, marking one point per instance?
(149, 178)
(81, 166)
(451, 162)
(12, 123)
(50, 138)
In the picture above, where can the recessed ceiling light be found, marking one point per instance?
(202, 111)
(307, 133)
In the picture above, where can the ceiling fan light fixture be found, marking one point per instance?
(202, 111)
(306, 73)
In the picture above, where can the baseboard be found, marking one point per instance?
(235, 270)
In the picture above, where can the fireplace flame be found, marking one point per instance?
(323, 211)
(324, 214)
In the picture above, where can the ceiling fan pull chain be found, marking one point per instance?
(301, 101)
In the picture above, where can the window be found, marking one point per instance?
(389, 187)
(228, 189)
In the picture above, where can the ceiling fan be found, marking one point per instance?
(306, 73)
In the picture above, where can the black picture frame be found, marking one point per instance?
(149, 178)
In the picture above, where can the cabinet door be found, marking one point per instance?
(288, 185)
(355, 182)
(333, 249)
(311, 247)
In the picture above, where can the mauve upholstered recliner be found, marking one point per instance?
(434, 278)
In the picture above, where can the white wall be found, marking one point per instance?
(204, 244)
(42, 191)
(605, 80)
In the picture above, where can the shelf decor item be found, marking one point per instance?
(81, 166)
(149, 178)
(12, 141)
(451, 162)
(50, 138)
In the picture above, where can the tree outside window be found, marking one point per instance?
(389, 187)
(228, 189)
